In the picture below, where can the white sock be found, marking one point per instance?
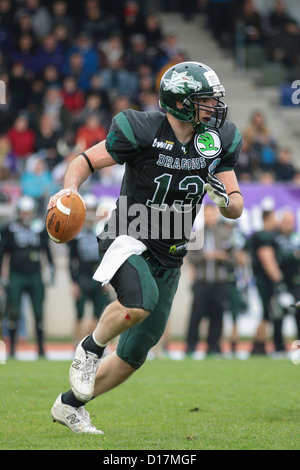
(98, 342)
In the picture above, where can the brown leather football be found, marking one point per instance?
(66, 219)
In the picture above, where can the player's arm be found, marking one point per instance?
(236, 201)
(224, 191)
(81, 168)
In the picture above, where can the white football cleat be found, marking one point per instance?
(76, 419)
(82, 373)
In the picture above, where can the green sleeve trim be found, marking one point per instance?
(124, 125)
(236, 140)
(220, 169)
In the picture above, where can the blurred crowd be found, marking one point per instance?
(69, 67)
(240, 22)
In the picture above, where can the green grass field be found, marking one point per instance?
(187, 405)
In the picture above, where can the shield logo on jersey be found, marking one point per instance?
(208, 144)
(181, 83)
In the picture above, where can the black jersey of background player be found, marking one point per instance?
(25, 245)
(84, 253)
(166, 177)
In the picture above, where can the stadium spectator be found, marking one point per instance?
(53, 106)
(284, 168)
(90, 133)
(63, 35)
(83, 45)
(284, 46)
(97, 88)
(74, 66)
(46, 141)
(97, 24)
(52, 52)
(137, 54)
(210, 270)
(40, 17)
(252, 23)
(112, 51)
(278, 17)
(61, 17)
(37, 182)
(117, 80)
(23, 25)
(170, 46)
(73, 97)
(132, 20)
(36, 96)
(120, 103)
(146, 91)
(7, 14)
(19, 86)
(51, 76)
(27, 53)
(22, 138)
(153, 33)
(94, 106)
(259, 143)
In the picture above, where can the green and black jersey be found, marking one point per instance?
(258, 240)
(84, 254)
(289, 246)
(25, 246)
(163, 184)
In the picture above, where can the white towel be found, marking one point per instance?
(118, 252)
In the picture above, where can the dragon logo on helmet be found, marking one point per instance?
(181, 83)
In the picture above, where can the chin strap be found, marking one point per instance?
(200, 128)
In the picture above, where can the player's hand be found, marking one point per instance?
(63, 192)
(216, 191)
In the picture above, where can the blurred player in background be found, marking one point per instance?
(265, 254)
(84, 260)
(26, 242)
(288, 240)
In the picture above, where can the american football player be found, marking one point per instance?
(83, 261)
(172, 159)
(25, 241)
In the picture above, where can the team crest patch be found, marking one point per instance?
(181, 83)
(208, 144)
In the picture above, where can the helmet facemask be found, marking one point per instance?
(216, 118)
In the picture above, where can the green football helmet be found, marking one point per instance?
(187, 82)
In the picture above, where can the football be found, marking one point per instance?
(66, 219)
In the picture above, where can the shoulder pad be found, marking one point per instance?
(142, 126)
